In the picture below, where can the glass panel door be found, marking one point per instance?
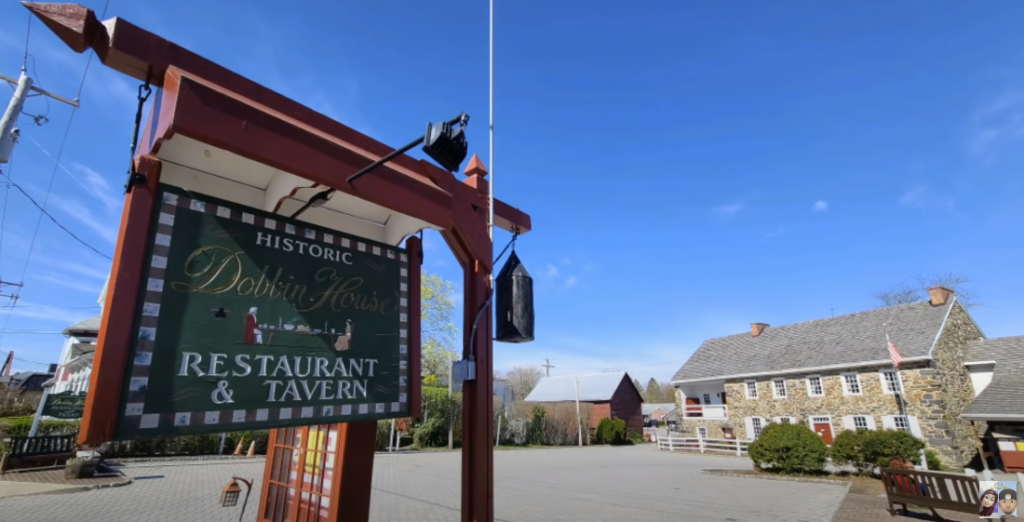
(317, 473)
(283, 455)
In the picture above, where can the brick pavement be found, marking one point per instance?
(550, 485)
(873, 508)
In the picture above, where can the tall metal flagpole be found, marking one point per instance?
(899, 393)
(490, 159)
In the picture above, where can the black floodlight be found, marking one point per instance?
(446, 144)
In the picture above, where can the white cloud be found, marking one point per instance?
(571, 281)
(77, 266)
(552, 270)
(75, 209)
(67, 316)
(925, 196)
(914, 197)
(729, 210)
(997, 124)
(93, 182)
(89, 287)
(820, 206)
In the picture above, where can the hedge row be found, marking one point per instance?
(794, 448)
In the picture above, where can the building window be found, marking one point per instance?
(851, 384)
(814, 387)
(702, 433)
(860, 422)
(756, 423)
(890, 382)
(779, 387)
(901, 423)
(707, 398)
(727, 433)
(751, 389)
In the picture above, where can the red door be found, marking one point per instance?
(824, 430)
(300, 463)
(693, 408)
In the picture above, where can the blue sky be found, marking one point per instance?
(691, 167)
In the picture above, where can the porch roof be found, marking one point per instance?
(1004, 396)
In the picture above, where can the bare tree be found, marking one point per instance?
(522, 380)
(918, 290)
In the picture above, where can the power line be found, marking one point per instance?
(56, 165)
(55, 222)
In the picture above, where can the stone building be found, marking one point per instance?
(836, 374)
(997, 375)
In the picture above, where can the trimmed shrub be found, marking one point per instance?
(611, 432)
(20, 426)
(881, 446)
(932, 458)
(383, 435)
(431, 434)
(848, 450)
(866, 449)
(789, 448)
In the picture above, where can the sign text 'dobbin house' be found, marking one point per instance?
(255, 321)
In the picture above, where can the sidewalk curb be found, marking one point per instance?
(72, 489)
(845, 483)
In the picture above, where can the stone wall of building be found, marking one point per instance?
(925, 399)
(954, 380)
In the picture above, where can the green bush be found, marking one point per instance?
(431, 434)
(848, 450)
(866, 450)
(383, 435)
(20, 427)
(536, 429)
(932, 458)
(881, 446)
(611, 432)
(789, 448)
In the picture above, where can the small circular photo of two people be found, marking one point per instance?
(998, 499)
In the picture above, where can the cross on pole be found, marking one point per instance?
(547, 367)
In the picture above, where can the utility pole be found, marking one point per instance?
(547, 367)
(9, 134)
(8, 124)
(13, 296)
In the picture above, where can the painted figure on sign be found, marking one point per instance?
(988, 503)
(1008, 503)
(341, 344)
(252, 334)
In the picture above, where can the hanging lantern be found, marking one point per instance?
(513, 293)
(229, 495)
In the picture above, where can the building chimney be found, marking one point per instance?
(939, 295)
(757, 328)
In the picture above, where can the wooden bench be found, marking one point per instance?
(22, 451)
(930, 489)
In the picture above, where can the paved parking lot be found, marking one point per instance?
(595, 484)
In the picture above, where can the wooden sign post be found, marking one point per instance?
(178, 354)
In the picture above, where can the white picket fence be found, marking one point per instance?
(698, 445)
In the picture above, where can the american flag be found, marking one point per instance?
(893, 353)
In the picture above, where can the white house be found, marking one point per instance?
(75, 364)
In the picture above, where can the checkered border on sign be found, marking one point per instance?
(171, 204)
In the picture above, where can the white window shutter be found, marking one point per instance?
(750, 427)
(848, 423)
(871, 421)
(777, 420)
(915, 427)
(888, 422)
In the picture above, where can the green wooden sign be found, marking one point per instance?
(249, 320)
(64, 405)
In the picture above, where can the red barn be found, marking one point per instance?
(613, 395)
